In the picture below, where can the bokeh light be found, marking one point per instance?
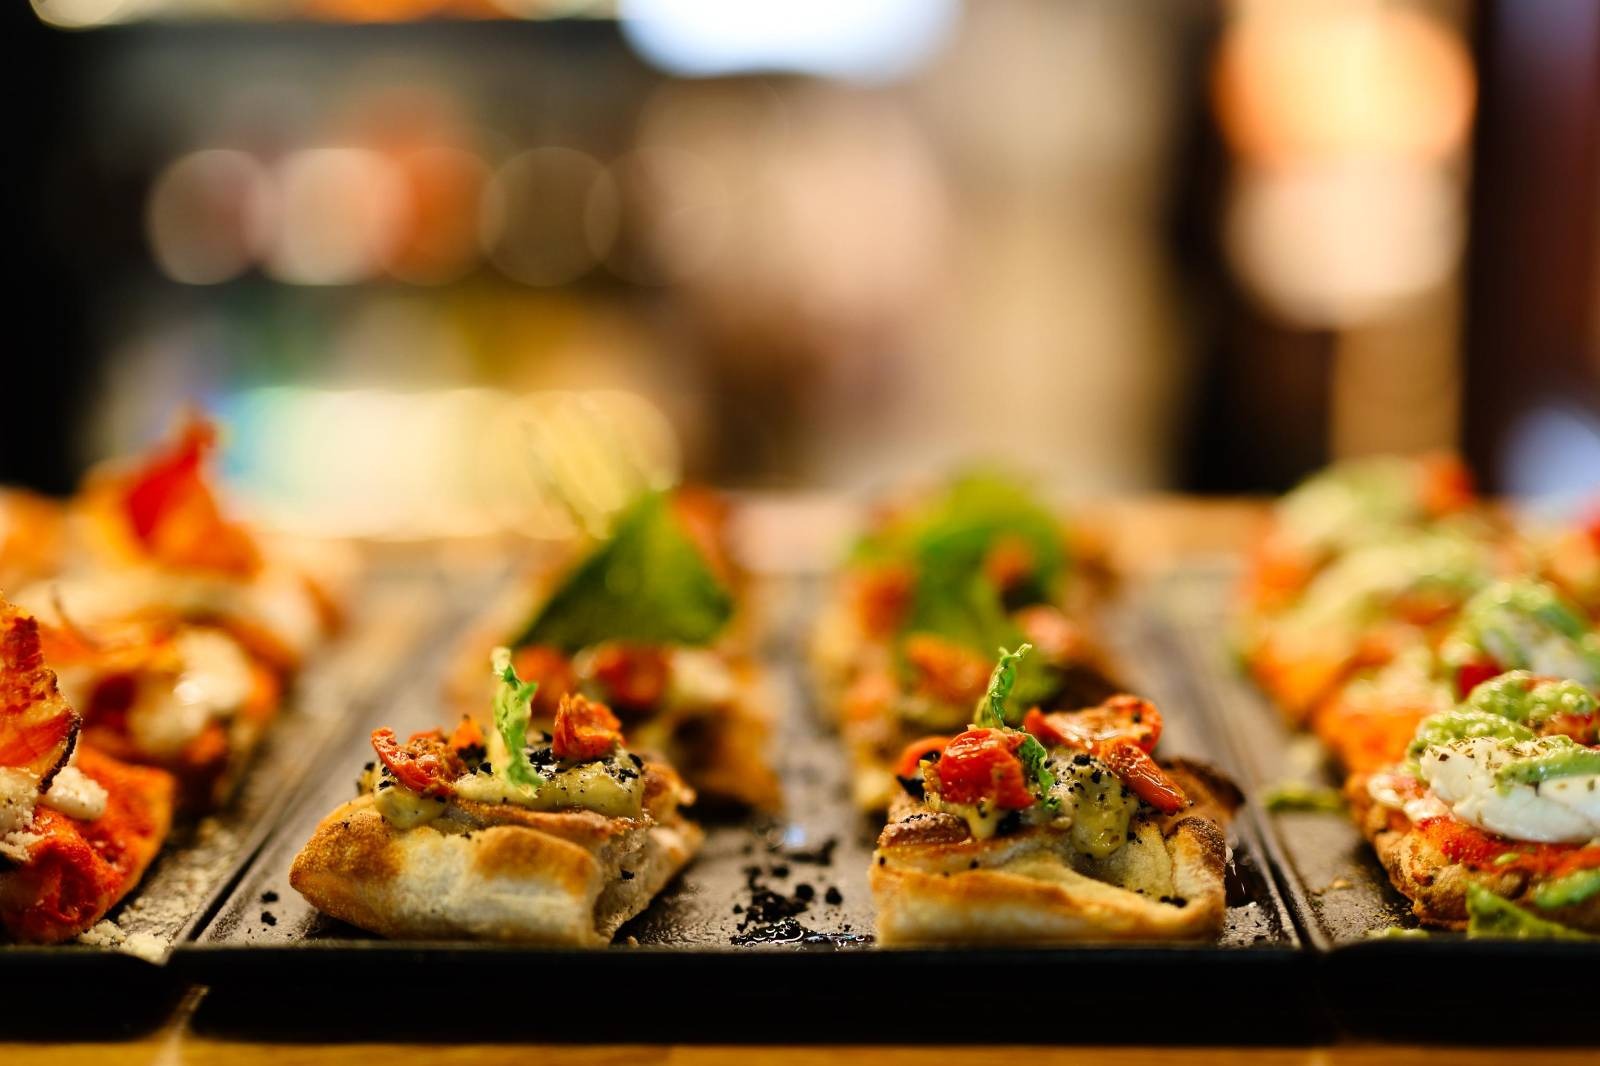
(210, 215)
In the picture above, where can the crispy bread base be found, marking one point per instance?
(490, 872)
(934, 884)
(1436, 886)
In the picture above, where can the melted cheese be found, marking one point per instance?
(214, 683)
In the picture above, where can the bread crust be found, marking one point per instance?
(491, 871)
(1437, 886)
(934, 884)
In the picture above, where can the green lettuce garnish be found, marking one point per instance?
(647, 582)
(949, 538)
(513, 709)
(992, 704)
(1490, 916)
(946, 543)
(991, 713)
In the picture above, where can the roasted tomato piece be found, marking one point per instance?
(424, 764)
(634, 676)
(584, 729)
(981, 764)
(173, 513)
(882, 595)
(37, 726)
(1121, 717)
(1472, 674)
(946, 671)
(467, 734)
(1053, 635)
(1446, 486)
(916, 751)
(1009, 563)
(1136, 769)
(552, 671)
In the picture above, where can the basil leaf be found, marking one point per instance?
(647, 582)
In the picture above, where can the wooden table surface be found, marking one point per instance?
(1139, 535)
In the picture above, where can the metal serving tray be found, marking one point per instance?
(768, 928)
(1402, 987)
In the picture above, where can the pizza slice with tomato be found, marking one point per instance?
(1492, 817)
(903, 645)
(510, 833)
(646, 620)
(1064, 830)
(77, 827)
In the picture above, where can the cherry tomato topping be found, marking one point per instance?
(1009, 563)
(1134, 766)
(1125, 717)
(1446, 485)
(916, 751)
(981, 764)
(634, 676)
(467, 734)
(419, 764)
(1475, 673)
(882, 595)
(947, 671)
(584, 729)
(552, 671)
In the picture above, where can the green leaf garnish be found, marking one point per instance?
(1035, 761)
(992, 704)
(1298, 796)
(648, 582)
(1489, 916)
(513, 709)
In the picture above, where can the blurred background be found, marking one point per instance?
(400, 246)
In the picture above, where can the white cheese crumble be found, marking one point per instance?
(1461, 773)
(19, 791)
(107, 934)
(76, 795)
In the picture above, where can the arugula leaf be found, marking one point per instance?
(971, 614)
(647, 582)
(992, 704)
(513, 708)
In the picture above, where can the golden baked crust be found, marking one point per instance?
(1437, 886)
(934, 884)
(495, 871)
